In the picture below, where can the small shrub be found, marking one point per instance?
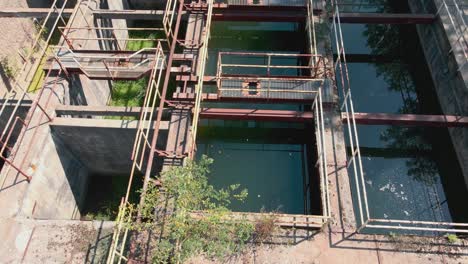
(192, 216)
(9, 68)
(264, 229)
(452, 238)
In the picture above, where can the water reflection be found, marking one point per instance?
(422, 167)
(402, 165)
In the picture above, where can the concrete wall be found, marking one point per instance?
(104, 146)
(119, 23)
(451, 84)
(93, 92)
(59, 186)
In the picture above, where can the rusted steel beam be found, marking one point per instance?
(130, 14)
(192, 78)
(379, 18)
(238, 13)
(215, 98)
(361, 118)
(261, 16)
(256, 114)
(409, 120)
(162, 101)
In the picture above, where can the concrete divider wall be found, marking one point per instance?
(450, 83)
(105, 146)
(59, 186)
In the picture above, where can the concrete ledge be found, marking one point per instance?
(101, 123)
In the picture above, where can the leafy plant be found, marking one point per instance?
(191, 216)
(452, 238)
(9, 67)
(392, 235)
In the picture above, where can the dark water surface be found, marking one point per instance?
(410, 172)
(270, 159)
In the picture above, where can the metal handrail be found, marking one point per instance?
(19, 92)
(203, 55)
(263, 2)
(356, 162)
(85, 69)
(140, 148)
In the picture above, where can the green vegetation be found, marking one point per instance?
(192, 217)
(141, 44)
(9, 67)
(131, 93)
(39, 75)
(452, 238)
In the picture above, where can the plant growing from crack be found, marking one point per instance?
(452, 238)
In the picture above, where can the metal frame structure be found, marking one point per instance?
(70, 40)
(19, 93)
(168, 20)
(310, 28)
(135, 64)
(202, 57)
(144, 150)
(282, 3)
(301, 83)
(355, 158)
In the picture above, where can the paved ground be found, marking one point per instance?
(326, 247)
(16, 33)
(54, 241)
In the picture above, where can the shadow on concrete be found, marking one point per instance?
(98, 251)
(47, 3)
(5, 79)
(76, 93)
(405, 244)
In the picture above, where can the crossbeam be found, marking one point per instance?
(228, 13)
(379, 18)
(280, 115)
(256, 114)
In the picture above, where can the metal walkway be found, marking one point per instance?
(269, 88)
(114, 65)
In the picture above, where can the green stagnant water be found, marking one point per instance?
(270, 159)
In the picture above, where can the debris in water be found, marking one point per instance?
(385, 187)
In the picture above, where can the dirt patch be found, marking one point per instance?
(17, 33)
